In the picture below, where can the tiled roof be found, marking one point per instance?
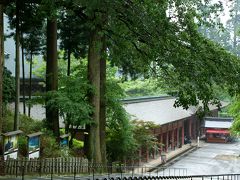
(159, 110)
(218, 122)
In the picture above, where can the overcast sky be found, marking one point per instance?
(9, 48)
(225, 15)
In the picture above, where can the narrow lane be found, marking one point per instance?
(212, 158)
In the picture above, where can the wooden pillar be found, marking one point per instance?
(190, 128)
(154, 153)
(173, 139)
(166, 144)
(147, 154)
(194, 128)
(183, 133)
(198, 127)
(177, 137)
(161, 148)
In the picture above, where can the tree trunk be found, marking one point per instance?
(73, 135)
(30, 84)
(23, 79)
(103, 101)
(52, 75)
(86, 146)
(1, 64)
(94, 152)
(17, 71)
(67, 124)
(235, 28)
(2, 169)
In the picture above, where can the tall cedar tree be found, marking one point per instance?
(17, 69)
(1, 64)
(52, 116)
(1, 72)
(23, 77)
(102, 115)
(94, 151)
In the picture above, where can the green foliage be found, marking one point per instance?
(65, 152)
(71, 97)
(71, 101)
(143, 134)
(8, 120)
(120, 141)
(29, 125)
(224, 112)
(49, 146)
(145, 40)
(119, 130)
(235, 129)
(48, 8)
(234, 110)
(145, 87)
(23, 144)
(77, 148)
(39, 69)
(73, 33)
(77, 144)
(31, 25)
(212, 67)
(8, 86)
(78, 66)
(228, 38)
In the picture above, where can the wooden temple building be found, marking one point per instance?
(177, 125)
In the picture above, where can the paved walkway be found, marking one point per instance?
(169, 156)
(212, 158)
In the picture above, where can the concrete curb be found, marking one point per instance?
(174, 158)
(178, 156)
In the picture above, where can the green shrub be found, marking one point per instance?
(8, 86)
(49, 146)
(77, 148)
(29, 125)
(22, 146)
(8, 117)
(78, 144)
